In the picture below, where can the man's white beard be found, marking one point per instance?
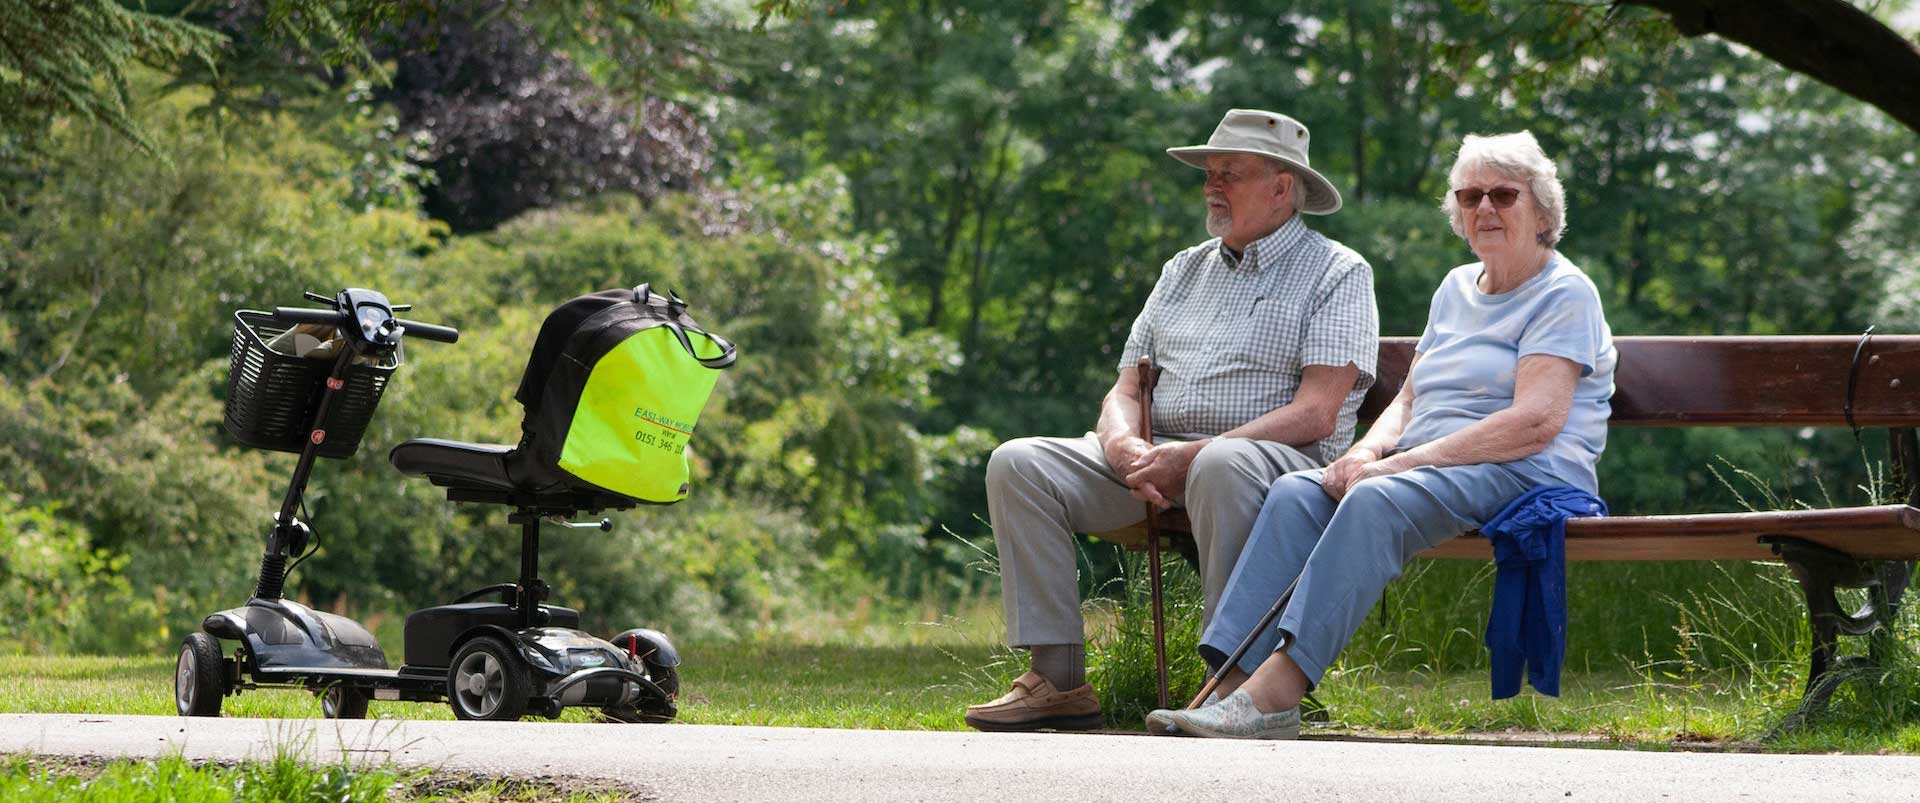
(1219, 223)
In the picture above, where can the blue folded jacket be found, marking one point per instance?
(1528, 625)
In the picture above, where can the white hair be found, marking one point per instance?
(1517, 156)
(1298, 192)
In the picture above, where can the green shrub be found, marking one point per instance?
(61, 594)
(147, 479)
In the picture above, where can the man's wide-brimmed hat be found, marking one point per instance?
(1275, 136)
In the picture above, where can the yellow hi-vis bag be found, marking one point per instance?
(622, 396)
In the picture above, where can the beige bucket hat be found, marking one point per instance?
(1275, 136)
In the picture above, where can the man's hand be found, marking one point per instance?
(1124, 453)
(1357, 465)
(1161, 474)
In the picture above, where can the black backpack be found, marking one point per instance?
(613, 389)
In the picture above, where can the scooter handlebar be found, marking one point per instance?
(326, 317)
(430, 331)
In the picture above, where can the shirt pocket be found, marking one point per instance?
(1262, 334)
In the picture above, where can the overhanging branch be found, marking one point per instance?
(1828, 40)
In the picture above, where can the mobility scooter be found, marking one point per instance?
(611, 390)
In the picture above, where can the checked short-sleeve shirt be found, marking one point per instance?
(1232, 336)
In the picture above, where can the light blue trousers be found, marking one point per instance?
(1344, 553)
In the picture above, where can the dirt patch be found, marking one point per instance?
(1682, 742)
(462, 786)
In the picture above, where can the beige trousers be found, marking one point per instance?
(1040, 491)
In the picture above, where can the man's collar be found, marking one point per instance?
(1278, 242)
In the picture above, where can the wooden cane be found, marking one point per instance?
(1233, 660)
(1145, 368)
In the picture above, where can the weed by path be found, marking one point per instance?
(27, 779)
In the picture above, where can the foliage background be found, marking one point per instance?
(927, 224)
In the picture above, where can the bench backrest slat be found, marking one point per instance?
(1735, 381)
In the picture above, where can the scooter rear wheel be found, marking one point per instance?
(488, 680)
(650, 711)
(668, 679)
(199, 676)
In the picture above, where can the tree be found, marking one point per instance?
(73, 58)
(499, 100)
(516, 124)
(1831, 40)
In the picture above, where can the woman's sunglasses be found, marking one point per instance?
(1503, 197)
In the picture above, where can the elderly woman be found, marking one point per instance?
(1508, 391)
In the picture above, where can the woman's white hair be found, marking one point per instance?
(1516, 156)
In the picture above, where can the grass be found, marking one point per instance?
(896, 687)
(1719, 664)
(25, 779)
(924, 687)
(904, 675)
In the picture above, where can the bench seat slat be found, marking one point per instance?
(1885, 532)
(1890, 532)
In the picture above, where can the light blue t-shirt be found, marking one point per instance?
(1474, 342)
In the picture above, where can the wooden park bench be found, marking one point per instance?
(1742, 382)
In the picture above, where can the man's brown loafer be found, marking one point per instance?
(1033, 704)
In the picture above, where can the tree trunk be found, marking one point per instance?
(987, 202)
(934, 271)
(1639, 263)
(1357, 101)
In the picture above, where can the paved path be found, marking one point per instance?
(713, 763)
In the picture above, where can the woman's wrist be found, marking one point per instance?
(1399, 462)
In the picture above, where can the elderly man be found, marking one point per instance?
(1266, 335)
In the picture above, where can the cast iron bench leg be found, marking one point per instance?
(1820, 571)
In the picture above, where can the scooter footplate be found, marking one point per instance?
(371, 674)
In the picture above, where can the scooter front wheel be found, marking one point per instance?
(199, 676)
(340, 701)
(488, 680)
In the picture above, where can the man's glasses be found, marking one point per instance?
(1503, 197)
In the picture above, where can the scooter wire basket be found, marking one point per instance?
(271, 396)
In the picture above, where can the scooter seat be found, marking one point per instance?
(499, 474)
(455, 463)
